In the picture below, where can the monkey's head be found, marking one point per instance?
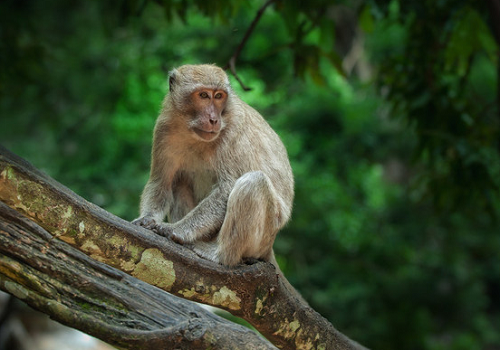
(200, 93)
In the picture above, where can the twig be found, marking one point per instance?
(231, 65)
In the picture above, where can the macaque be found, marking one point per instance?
(219, 172)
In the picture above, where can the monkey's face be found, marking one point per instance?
(208, 105)
(200, 93)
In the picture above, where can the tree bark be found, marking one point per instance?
(69, 277)
(82, 293)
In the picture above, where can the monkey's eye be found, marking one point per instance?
(218, 95)
(203, 94)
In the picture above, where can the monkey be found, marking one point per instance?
(219, 172)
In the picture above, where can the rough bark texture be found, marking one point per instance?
(80, 290)
(77, 291)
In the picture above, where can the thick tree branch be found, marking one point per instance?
(75, 290)
(253, 292)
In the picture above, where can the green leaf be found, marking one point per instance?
(465, 43)
(335, 61)
(366, 20)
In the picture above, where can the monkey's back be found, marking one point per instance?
(255, 146)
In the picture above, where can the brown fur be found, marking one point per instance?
(218, 171)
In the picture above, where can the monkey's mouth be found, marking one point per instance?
(206, 135)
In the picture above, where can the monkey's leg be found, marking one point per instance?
(250, 224)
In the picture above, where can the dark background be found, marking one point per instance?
(388, 109)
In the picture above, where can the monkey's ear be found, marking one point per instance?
(171, 79)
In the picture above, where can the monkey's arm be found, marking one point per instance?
(155, 201)
(201, 222)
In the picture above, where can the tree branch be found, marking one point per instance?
(75, 290)
(231, 65)
(255, 292)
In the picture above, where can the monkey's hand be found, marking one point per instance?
(145, 221)
(166, 230)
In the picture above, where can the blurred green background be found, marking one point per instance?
(388, 109)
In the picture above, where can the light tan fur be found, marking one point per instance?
(219, 172)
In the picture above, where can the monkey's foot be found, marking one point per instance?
(250, 261)
(145, 221)
(167, 231)
(207, 250)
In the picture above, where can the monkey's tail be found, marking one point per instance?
(291, 289)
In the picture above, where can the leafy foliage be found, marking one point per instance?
(436, 91)
(394, 234)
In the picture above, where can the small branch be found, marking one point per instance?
(231, 65)
(232, 68)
